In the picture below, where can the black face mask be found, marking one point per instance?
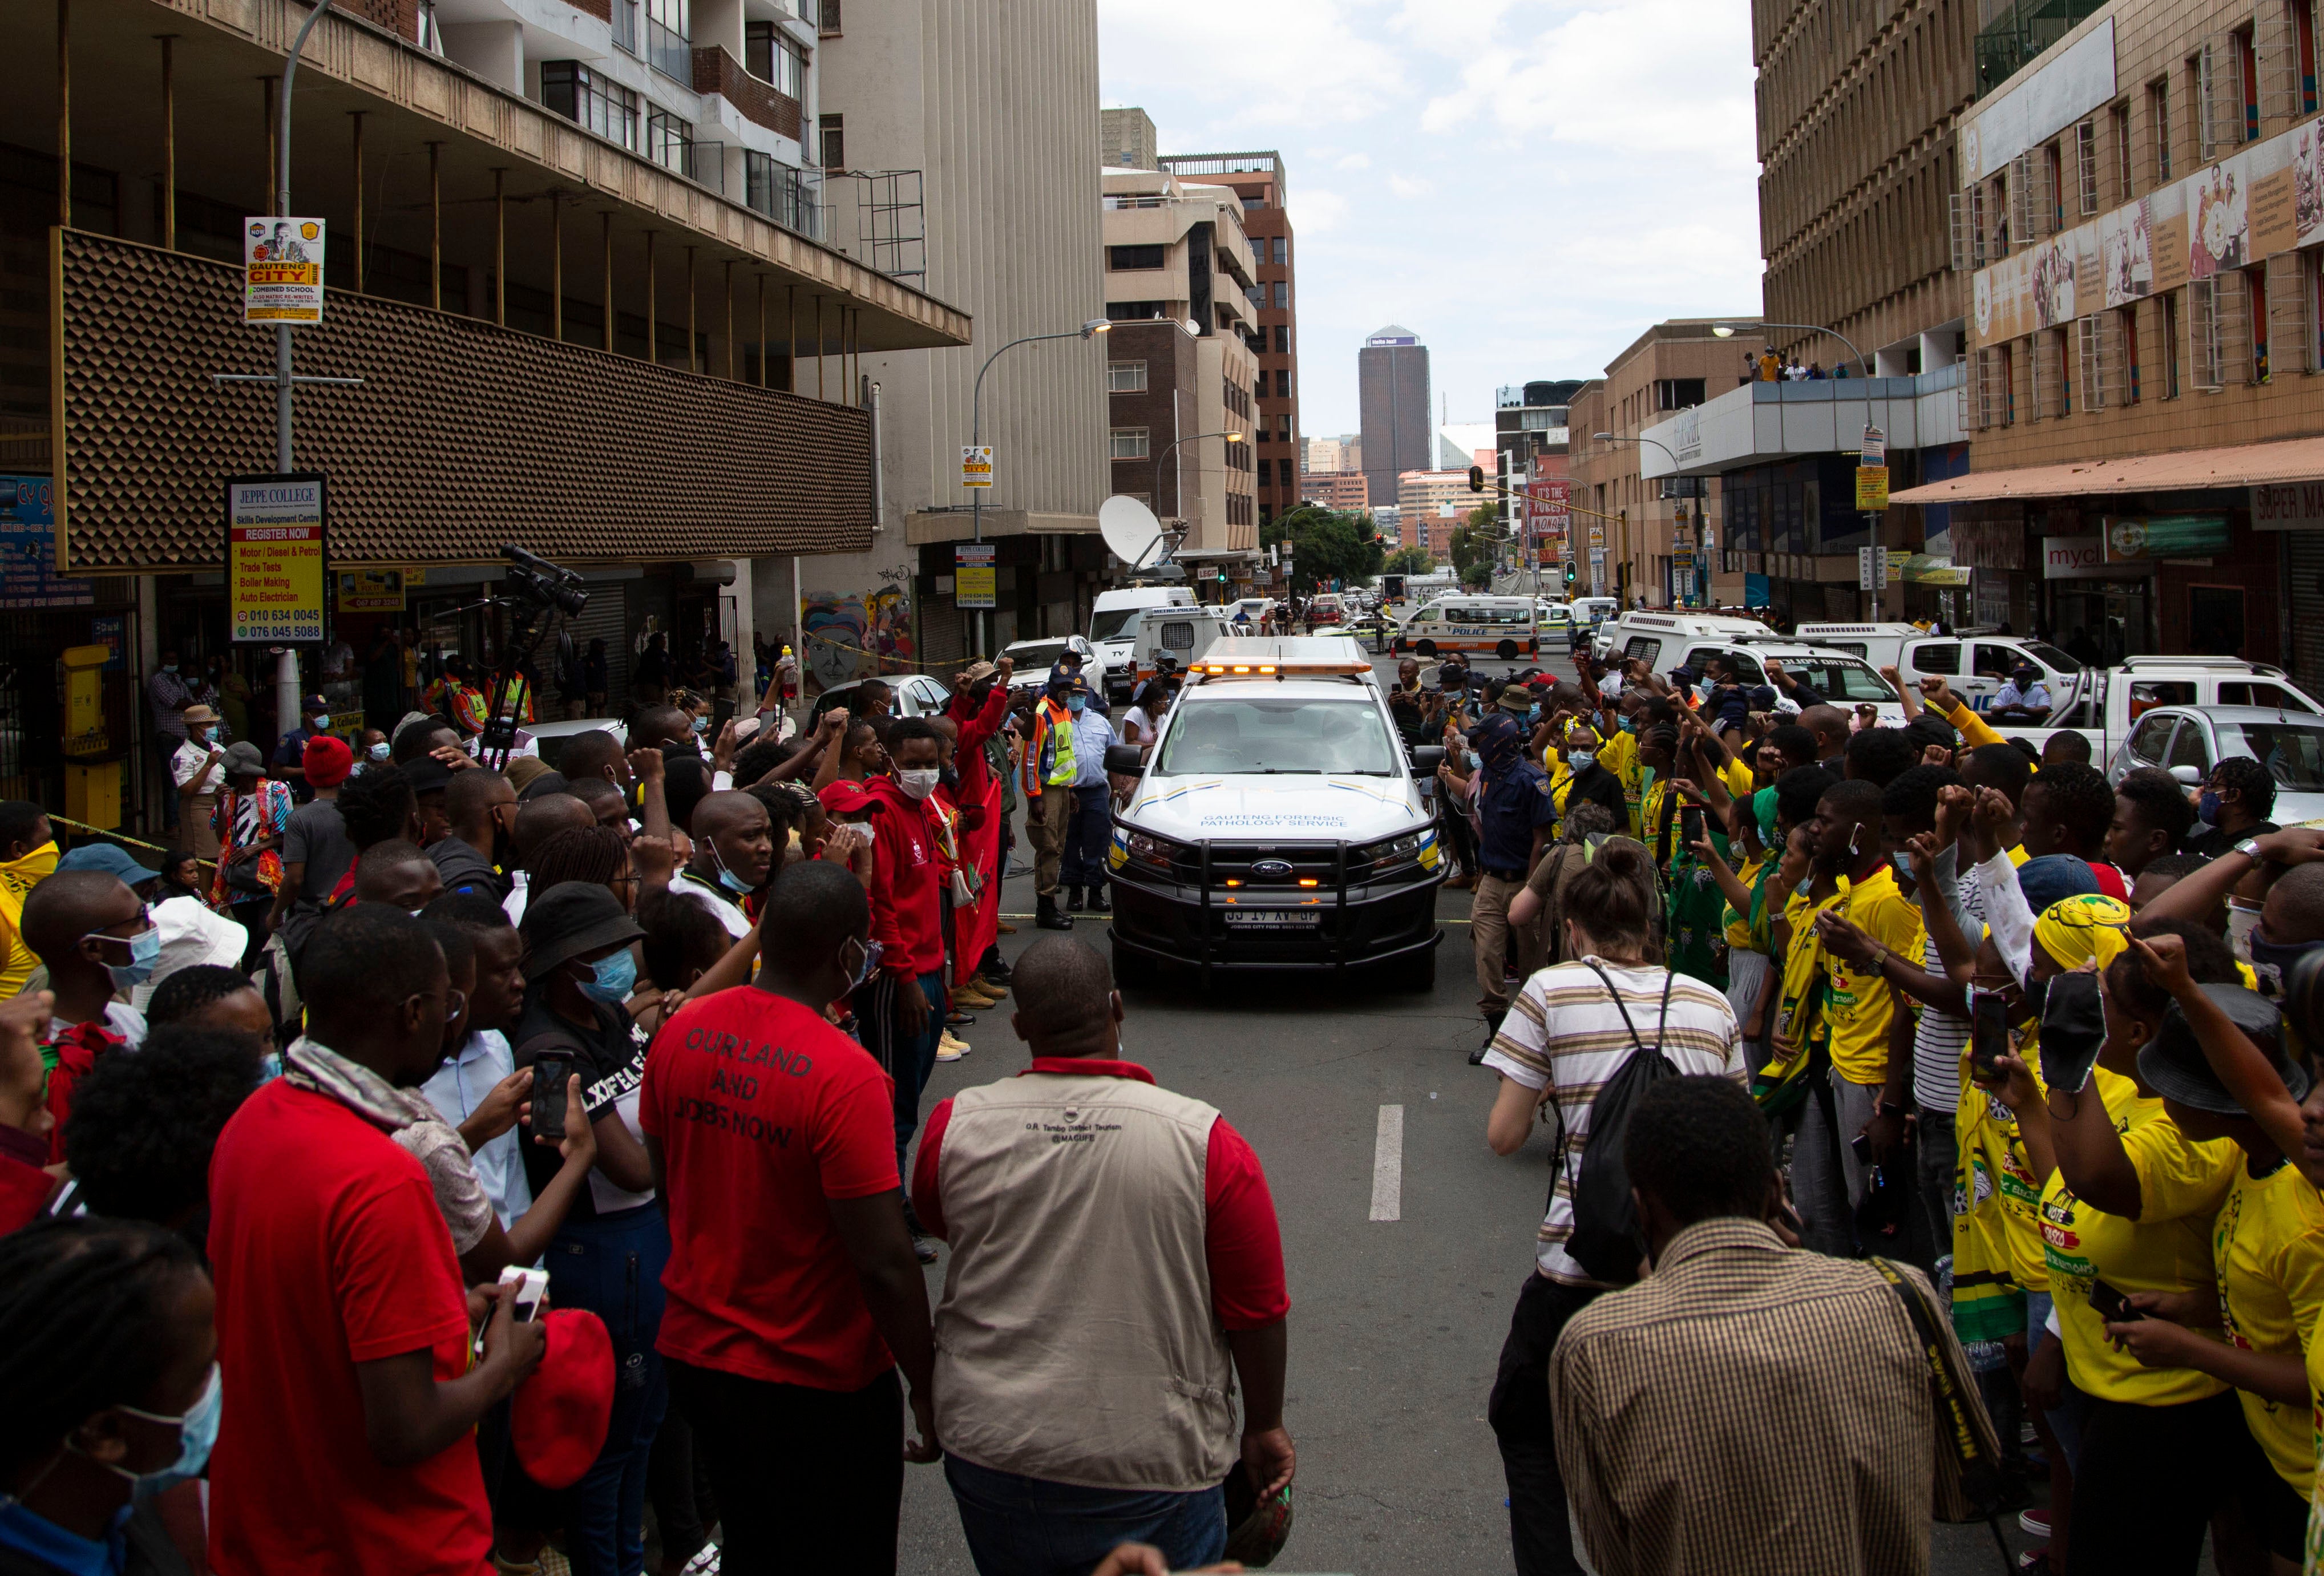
(949, 777)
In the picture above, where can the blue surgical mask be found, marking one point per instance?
(702, 724)
(2207, 809)
(144, 950)
(269, 1067)
(1473, 760)
(616, 977)
(379, 751)
(1629, 724)
(862, 971)
(321, 723)
(1581, 760)
(727, 877)
(198, 1431)
(1076, 702)
(169, 666)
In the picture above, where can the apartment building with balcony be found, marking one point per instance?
(1662, 536)
(537, 329)
(960, 140)
(1182, 293)
(2141, 222)
(1259, 180)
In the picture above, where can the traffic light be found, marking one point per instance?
(1569, 571)
(1476, 478)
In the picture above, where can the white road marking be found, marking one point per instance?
(1388, 1166)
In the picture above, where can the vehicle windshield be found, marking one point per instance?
(2294, 752)
(2058, 660)
(1839, 679)
(1038, 653)
(1224, 738)
(1113, 624)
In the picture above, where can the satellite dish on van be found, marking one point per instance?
(1129, 528)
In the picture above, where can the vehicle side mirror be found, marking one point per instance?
(1124, 758)
(2189, 776)
(1427, 758)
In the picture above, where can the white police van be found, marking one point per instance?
(1278, 822)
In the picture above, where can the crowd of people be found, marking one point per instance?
(469, 1168)
(1970, 1145)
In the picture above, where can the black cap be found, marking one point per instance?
(2173, 1065)
(570, 918)
(426, 774)
(547, 783)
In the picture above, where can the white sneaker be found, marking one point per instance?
(949, 1049)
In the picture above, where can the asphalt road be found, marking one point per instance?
(1396, 1324)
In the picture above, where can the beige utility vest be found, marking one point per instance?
(1076, 1342)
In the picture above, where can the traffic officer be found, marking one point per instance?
(1515, 817)
(1046, 778)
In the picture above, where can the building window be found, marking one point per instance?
(1283, 382)
(1282, 295)
(833, 130)
(2008, 385)
(1677, 393)
(2167, 315)
(578, 93)
(1127, 443)
(670, 140)
(1282, 339)
(670, 34)
(1252, 203)
(2247, 83)
(2118, 128)
(827, 25)
(2304, 52)
(1283, 430)
(1282, 244)
(1133, 311)
(1122, 259)
(625, 25)
(2158, 112)
(2126, 323)
(2255, 297)
(1125, 377)
(770, 55)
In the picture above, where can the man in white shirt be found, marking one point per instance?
(197, 771)
(1090, 827)
(2023, 698)
(476, 1090)
(734, 855)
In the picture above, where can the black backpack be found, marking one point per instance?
(1606, 1240)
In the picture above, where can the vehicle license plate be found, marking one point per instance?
(1270, 917)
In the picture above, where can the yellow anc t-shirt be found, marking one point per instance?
(1738, 926)
(2168, 1248)
(1619, 755)
(2314, 1563)
(2267, 1244)
(1860, 1004)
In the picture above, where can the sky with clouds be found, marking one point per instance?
(1526, 184)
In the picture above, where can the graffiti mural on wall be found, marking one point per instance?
(851, 635)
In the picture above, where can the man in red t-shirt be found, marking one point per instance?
(979, 706)
(793, 1293)
(1116, 1267)
(346, 1437)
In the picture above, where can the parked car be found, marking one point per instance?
(917, 695)
(551, 738)
(2188, 741)
(1034, 658)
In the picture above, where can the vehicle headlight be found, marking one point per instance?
(1147, 849)
(1394, 851)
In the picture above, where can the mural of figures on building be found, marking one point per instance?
(854, 635)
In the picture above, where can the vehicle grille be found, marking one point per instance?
(1236, 861)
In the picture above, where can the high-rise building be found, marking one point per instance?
(1126, 139)
(1180, 280)
(1258, 178)
(1342, 490)
(1324, 456)
(891, 87)
(1393, 400)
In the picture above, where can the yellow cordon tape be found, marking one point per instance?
(124, 837)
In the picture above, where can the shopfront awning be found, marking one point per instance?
(2243, 464)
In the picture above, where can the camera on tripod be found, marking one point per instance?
(542, 583)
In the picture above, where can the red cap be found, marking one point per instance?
(848, 798)
(559, 1416)
(328, 761)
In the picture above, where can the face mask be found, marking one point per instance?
(321, 723)
(1471, 756)
(198, 1431)
(1629, 724)
(205, 735)
(616, 977)
(1076, 703)
(1581, 760)
(2207, 809)
(727, 877)
(861, 972)
(269, 1067)
(144, 948)
(702, 724)
(169, 666)
(2273, 962)
(379, 751)
(1704, 688)
(921, 781)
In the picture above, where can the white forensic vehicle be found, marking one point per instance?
(1278, 822)
(1113, 627)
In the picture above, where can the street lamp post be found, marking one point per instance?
(1089, 330)
(1697, 544)
(1177, 488)
(1727, 330)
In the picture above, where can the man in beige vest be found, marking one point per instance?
(1115, 1269)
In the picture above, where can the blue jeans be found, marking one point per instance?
(612, 1266)
(1027, 1527)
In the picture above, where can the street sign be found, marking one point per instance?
(282, 269)
(976, 465)
(1871, 568)
(1597, 571)
(276, 561)
(1871, 488)
(370, 591)
(974, 578)
(1874, 450)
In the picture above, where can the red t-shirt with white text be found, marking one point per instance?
(328, 1251)
(764, 1112)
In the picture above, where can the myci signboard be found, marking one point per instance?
(277, 564)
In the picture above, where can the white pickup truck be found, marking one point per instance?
(2099, 703)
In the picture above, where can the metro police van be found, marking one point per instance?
(1507, 627)
(1277, 824)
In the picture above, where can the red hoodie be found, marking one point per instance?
(968, 750)
(907, 883)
